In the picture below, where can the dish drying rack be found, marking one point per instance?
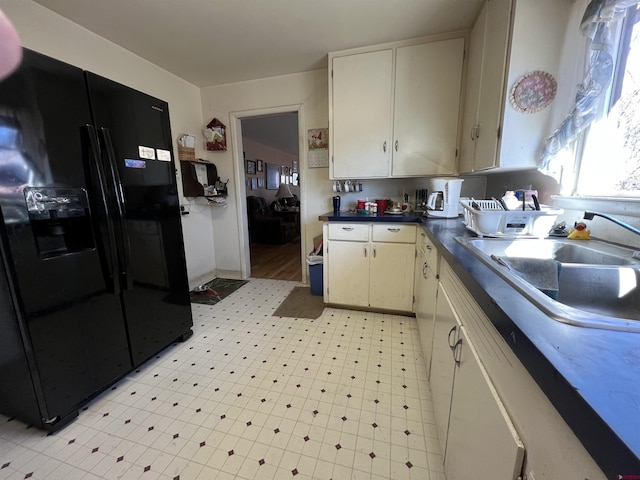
(489, 218)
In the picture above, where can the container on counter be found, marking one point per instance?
(382, 204)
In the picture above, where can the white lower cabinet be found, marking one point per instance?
(348, 273)
(487, 405)
(369, 265)
(445, 335)
(425, 292)
(477, 437)
(391, 282)
(482, 442)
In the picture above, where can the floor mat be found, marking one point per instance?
(300, 304)
(216, 290)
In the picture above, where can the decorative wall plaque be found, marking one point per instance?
(533, 91)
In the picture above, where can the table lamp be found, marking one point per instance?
(284, 193)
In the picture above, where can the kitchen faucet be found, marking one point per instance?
(590, 215)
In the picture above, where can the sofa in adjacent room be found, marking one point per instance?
(265, 227)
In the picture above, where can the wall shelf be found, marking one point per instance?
(191, 186)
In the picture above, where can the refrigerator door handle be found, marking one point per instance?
(109, 258)
(124, 249)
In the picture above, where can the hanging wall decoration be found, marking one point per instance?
(533, 92)
(216, 135)
(318, 147)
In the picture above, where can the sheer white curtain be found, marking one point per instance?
(588, 58)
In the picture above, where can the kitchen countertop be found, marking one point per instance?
(590, 375)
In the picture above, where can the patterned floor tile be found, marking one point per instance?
(252, 396)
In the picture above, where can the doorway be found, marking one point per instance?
(270, 146)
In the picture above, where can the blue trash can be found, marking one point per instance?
(315, 274)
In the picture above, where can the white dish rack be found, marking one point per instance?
(487, 218)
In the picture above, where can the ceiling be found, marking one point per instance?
(212, 42)
(279, 131)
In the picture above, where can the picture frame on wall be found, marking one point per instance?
(294, 168)
(251, 167)
(254, 183)
(273, 176)
(260, 182)
(260, 165)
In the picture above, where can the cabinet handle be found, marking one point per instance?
(475, 132)
(453, 329)
(428, 247)
(348, 229)
(424, 270)
(456, 351)
(394, 230)
(374, 251)
(384, 146)
(396, 145)
(365, 252)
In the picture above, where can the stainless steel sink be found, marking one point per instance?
(601, 290)
(592, 252)
(598, 284)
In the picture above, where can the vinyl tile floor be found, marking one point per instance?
(252, 396)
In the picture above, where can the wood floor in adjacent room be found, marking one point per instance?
(277, 262)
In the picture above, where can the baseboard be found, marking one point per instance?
(232, 274)
(200, 280)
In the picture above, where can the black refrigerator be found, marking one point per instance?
(93, 275)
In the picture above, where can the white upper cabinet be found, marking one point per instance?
(394, 109)
(360, 130)
(506, 43)
(485, 86)
(427, 104)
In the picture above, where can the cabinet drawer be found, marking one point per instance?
(394, 233)
(355, 232)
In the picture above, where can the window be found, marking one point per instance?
(610, 161)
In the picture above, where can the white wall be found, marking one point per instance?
(628, 211)
(307, 91)
(48, 33)
(538, 31)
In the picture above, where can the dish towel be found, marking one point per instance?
(544, 274)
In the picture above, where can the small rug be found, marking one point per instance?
(300, 304)
(216, 290)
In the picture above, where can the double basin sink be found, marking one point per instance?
(586, 283)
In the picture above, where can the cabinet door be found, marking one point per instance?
(474, 77)
(419, 280)
(348, 273)
(361, 109)
(425, 306)
(392, 267)
(427, 106)
(491, 104)
(482, 442)
(445, 335)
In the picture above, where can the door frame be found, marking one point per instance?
(241, 190)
